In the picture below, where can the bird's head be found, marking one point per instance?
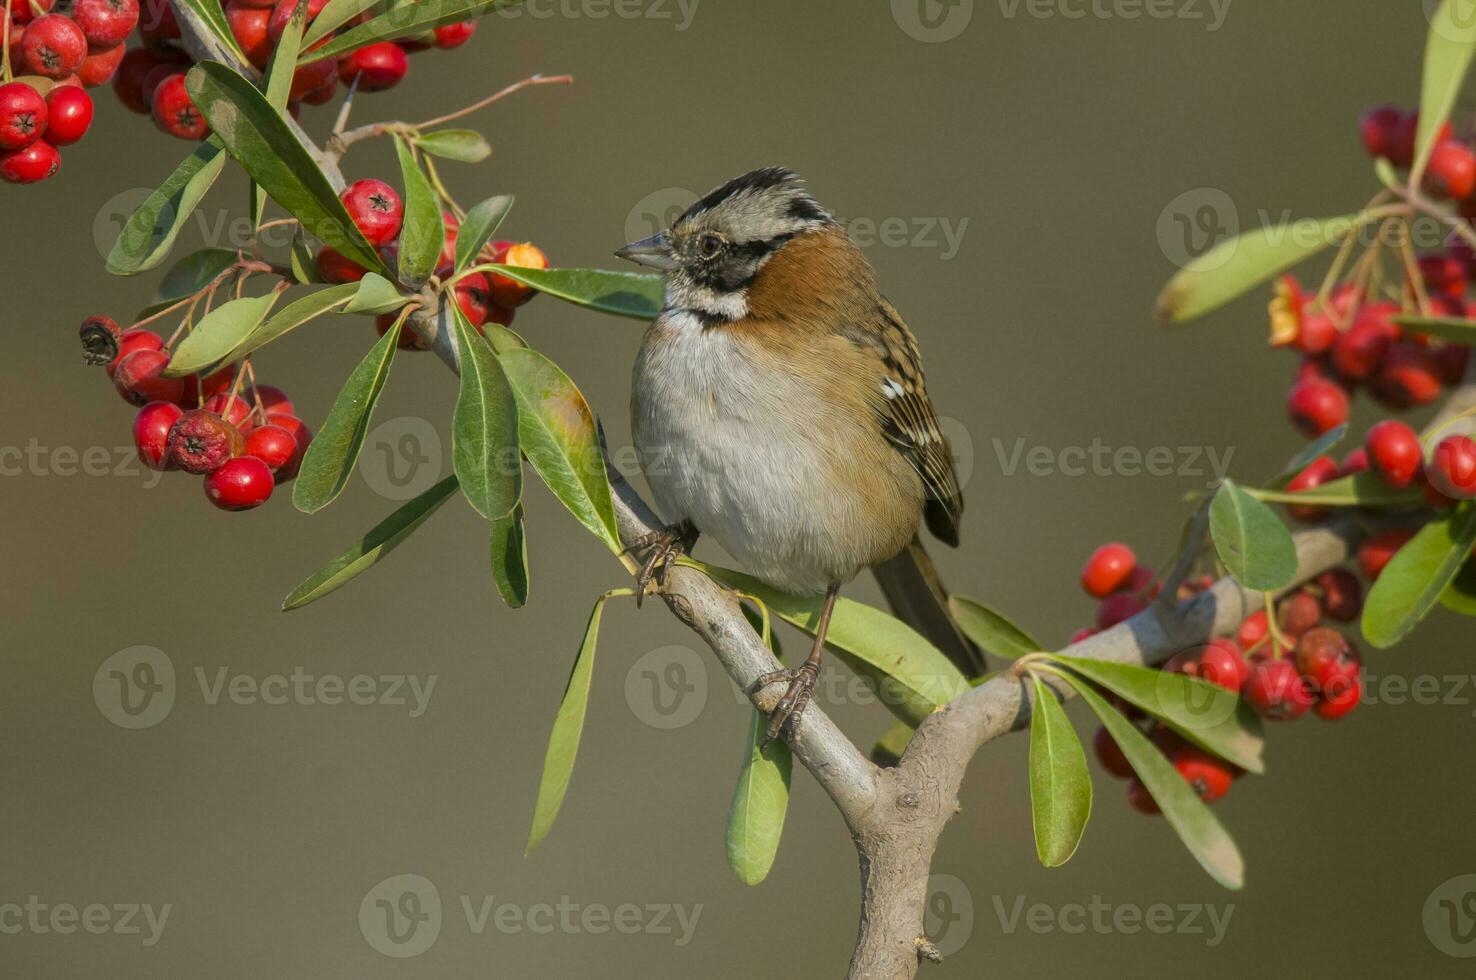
(712, 253)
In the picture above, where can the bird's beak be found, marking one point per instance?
(654, 252)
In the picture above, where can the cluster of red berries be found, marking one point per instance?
(149, 79)
(52, 59)
(244, 442)
(1281, 673)
(379, 213)
(1389, 133)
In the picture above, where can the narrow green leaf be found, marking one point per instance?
(423, 234)
(1359, 490)
(369, 550)
(149, 233)
(887, 644)
(283, 62)
(760, 801)
(1457, 329)
(461, 145)
(1060, 787)
(484, 430)
(294, 315)
(1460, 597)
(991, 630)
(1251, 540)
(335, 14)
(190, 275)
(403, 20)
(1236, 266)
(1206, 714)
(375, 295)
(633, 294)
(304, 262)
(563, 742)
(219, 333)
(510, 558)
(213, 14)
(480, 225)
(1196, 826)
(1449, 46)
(275, 158)
(329, 461)
(1414, 580)
(557, 432)
(1314, 449)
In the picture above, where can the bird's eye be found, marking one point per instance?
(711, 246)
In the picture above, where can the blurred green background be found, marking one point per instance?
(1058, 145)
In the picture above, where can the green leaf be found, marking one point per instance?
(484, 430)
(1314, 449)
(275, 158)
(510, 558)
(991, 630)
(563, 742)
(1460, 596)
(403, 20)
(1414, 580)
(760, 801)
(1251, 540)
(1060, 787)
(149, 233)
(461, 145)
(335, 14)
(211, 12)
(1206, 714)
(1456, 329)
(633, 294)
(283, 63)
(557, 432)
(190, 275)
(1359, 490)
(304, 262)
(369, 550)
(375, 295)
(893, 742)
(1196, 826)
(330, 458)
(423, 234)
(1448, 49)
(1236, 266)
(294, 315)
(871, 637)
(219, 333)
(480, 225)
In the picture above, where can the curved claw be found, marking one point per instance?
(794, 701)
(665, 545)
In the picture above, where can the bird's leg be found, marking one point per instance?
(662, 549)
(801, 681)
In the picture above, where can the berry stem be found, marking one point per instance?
(1412, 272)
(259, 410)
(5, 75)
(440, 188)
(1273, 629)
(494, 97)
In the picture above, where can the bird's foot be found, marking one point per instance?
(792, 705)
(662, 549)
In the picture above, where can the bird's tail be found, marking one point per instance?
(918, 598)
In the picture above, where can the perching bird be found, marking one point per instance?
(778, 406)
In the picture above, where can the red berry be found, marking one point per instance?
(1338, 702)
(249, 27)
(1108, 569)
(510, 292)
(472, 297)
(1276, 691)
(273, 399)
(22, 14)
(1253, 629)
(240, 484)
(1109, 754)
(1317, 406)
(1298, 613)
(323, 94)
(1453, 359)
(1209, 777)
(1219, 661)
(271, 444)
(1444, 272)
(282, 13)
(450, 36)
(1342, 595)
(1326, 659)
(23, 116)
(1380, 130)
(151, 433)
(70, 112)
(134, 340)
(35, 163)
(1452, 469)
(235, 409)
(1452, 170)
(377, 66)
(139, 378)
(201, 442)
(1409, 375)
(1117, 608)
(99, 67)
(1140, 799)
(376, 209)
(175, 112)
(1316, 333)
(1378, 551)
(1357, 353)
(1394, 452)
(1085, 633)
(1402, 146)
(303, 436)
(1355, 462)
(105, 23)
(334, 267)
(128, 80)
(310, 78)
(54, 46)
(156, 21)
(1321, 470)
